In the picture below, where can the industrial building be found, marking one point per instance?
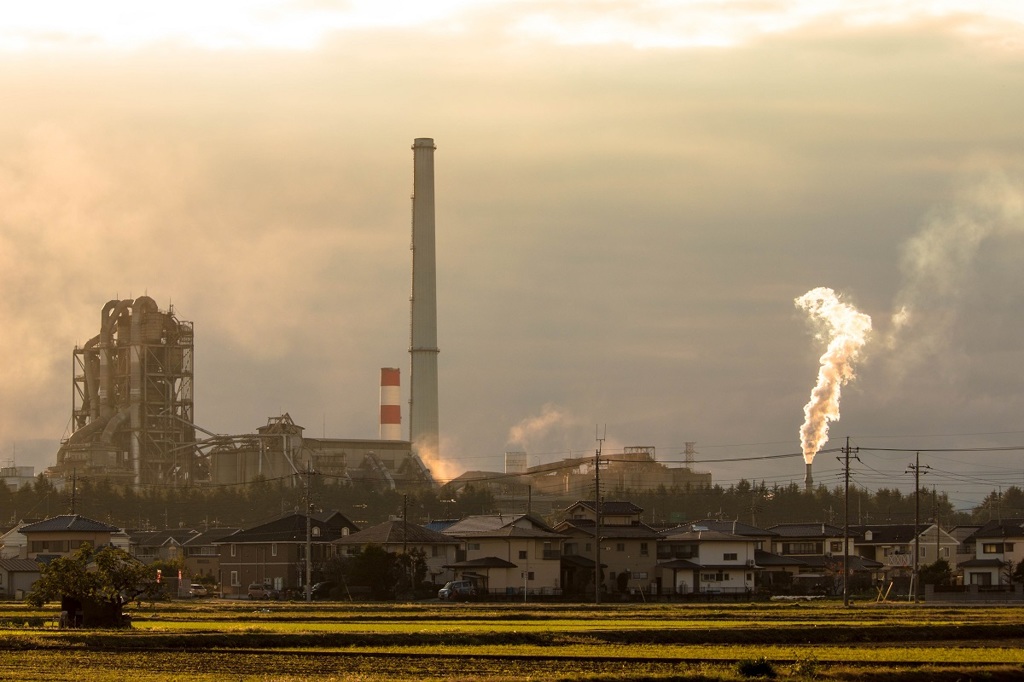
(549, 487)
(133, 412)
(132, 406)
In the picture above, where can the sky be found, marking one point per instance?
(630, 198)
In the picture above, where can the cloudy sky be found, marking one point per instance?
(630, 197)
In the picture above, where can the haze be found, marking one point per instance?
(629, 198)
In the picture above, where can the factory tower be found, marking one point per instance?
(423, 414)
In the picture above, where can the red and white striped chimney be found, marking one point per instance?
(390, 403)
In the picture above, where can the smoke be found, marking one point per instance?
(939, 261)
(442, 470)
(846, 331)
(533, 428)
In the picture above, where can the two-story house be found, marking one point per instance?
(508, 554)
(629, 554)
(819, 547)
(63, 535)
(398, 537)
(999, 546)
(892, 545)
(693, 559)
(274, 553)
(202, 555)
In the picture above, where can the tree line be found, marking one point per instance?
(160, 507)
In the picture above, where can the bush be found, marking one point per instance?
(760, 667)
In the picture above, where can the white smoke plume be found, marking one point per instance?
(938, 262)
(536, 427)
(846, 331)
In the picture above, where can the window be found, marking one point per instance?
(922, 550)
(587, 547)
(434, 550)
(835, 546)
(232, 549)
(273, 549)
(522, 554)
(1008, 547)
(620, 546)
(991, 548)
(643, 549)
(472, 546)
(729, 556)
(315, 531)
(529, 576)
(945, 552)
(234, 576)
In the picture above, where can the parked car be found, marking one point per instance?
(197, 590)
(323, 590)
(258, 591)
(457, 589)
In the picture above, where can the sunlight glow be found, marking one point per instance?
(62, 25)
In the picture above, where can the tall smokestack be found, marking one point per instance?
(390, 403)
(808, 479)
(423, 418)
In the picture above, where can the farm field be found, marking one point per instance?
(218, 640)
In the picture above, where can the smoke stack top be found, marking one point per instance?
(845, 329)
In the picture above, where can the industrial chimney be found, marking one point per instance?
(423, 417)
(808, 480)
(390, 403)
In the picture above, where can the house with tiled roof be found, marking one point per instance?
(820, 549)
(628, 549)
(892, 545)
(999, 544)
(62, 535)
(693, 559)
(397, 536)
(201, 553)
(159, 545)
(508, 554)
(274, 553)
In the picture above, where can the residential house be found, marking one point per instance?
(819, 548)
(398, 537)
(999, 549)
(693, 559)
(629, 554)
(892, 545)
(202, 555)
(14, 545)
(17, 577)
(149, 546)
(274, 553)
(63, 535)
(505, 554)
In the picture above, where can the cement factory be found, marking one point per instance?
(133, 409)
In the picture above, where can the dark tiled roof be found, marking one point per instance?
(498, 525)
(674, 535)
(394, 533)
(587, 526)
(610, 507)
(69, 523)
(767, 559)
(888, 533)
(683, 564)
(1004, 528)
(210, 536)
(292, 528)
(807, 530)
(484, 562)
(19, 566)
(159, 538)
(732, 527)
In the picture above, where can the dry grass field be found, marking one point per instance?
(221, 640)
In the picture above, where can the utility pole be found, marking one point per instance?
(597, 522)
(309, 536)
(846, 523)
(916, 468)
(74, 489)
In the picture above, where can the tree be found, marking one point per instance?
(95, 584)
(938, 573)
